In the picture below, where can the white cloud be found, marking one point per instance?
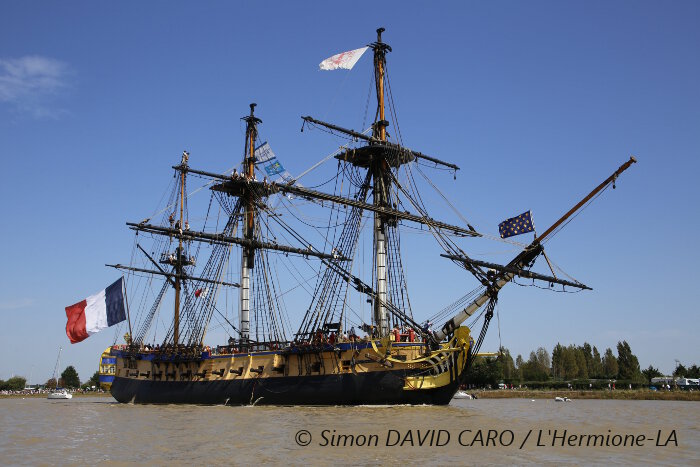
(28, 83)
(16, 304)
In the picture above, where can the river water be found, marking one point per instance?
(522, 431)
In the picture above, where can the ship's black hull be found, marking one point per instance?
(380, 387)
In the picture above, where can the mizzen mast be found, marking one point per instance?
(179, 259)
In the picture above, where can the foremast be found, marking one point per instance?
(381, 182)
(381, 158)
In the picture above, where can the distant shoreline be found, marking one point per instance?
(619, 394)
(44, 395)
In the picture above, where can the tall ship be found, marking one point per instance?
(333, 355)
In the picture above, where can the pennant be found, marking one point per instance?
(274, 168)
(269, 162)
(345, 60)
(95, 313)
(200, 293)
(516, 225)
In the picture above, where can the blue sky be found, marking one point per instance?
(537, 102)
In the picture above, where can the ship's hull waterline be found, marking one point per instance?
(350, 374)
(376, 388)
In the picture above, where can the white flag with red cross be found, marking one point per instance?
(344, 60)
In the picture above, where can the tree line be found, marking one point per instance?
(69, 379)
(568, 363)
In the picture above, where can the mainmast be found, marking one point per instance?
(248, 253)
(381, 182)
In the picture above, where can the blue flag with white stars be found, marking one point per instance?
(516, 225)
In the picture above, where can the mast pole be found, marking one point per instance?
(56, 368)
(381, 192)
(128, 315)
(248, 254)
(380, 59)
(178, 263)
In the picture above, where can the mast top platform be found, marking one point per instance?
(363, 156)
(252, 118)
(379, 45)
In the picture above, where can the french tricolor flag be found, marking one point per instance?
(104, 309)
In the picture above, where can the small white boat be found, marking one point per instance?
(59, 393)
(463, 395)
(562, 399)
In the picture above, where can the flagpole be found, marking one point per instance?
(128, 316)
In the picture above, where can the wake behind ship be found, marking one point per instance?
(333, 357)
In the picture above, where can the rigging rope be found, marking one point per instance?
(474, 349)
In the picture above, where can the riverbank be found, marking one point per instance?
(624, 394)
(620, 394)
(42, 395)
